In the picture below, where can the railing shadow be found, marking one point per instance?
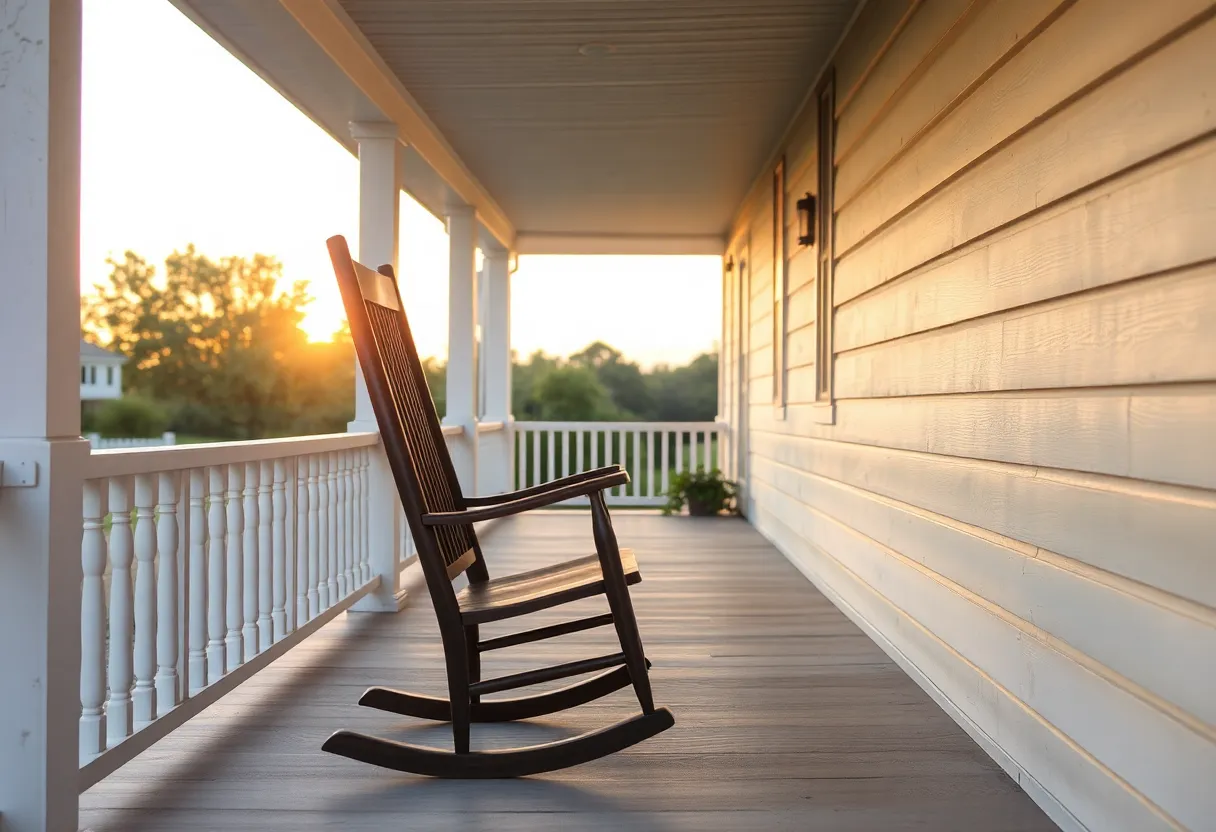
(175, 776)
(457, 803)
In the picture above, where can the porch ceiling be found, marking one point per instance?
(661, 136)
(656, 138)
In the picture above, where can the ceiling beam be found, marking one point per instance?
(334, 31)
(529, 242)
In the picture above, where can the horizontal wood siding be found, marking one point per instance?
(1017, 496)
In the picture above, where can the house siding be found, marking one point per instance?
(1017, 497)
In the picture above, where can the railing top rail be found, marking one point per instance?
(490, 427)
(698, 426)
(452, 430)
(119, 462)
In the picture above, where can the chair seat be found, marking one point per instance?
(539, 589)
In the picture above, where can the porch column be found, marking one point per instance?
(379, 232)
(462, 344)
(41, 450)
(497, 448)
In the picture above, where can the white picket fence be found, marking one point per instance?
(650, 451)
(101, 443)
(203, 563)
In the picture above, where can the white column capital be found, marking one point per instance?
(365, 130)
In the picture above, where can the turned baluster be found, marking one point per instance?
(278, 612)
(217, 576)
(119, 717)
(265, 587)
(249, 563)
(93, 622)
(341, 495)
(166, 593)
(323, 574)
(235, 564)
(196, 663)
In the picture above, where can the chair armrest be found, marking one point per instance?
(543, 488)
(557, 495)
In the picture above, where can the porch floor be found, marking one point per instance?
(787, 717)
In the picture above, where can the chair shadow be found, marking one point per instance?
(457, 799)
(399, 794)
(485, 735)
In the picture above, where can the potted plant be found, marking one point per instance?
(705, 493)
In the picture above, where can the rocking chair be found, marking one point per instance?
(441, 520)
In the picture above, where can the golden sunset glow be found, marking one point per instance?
(203, 151)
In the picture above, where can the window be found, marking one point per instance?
(779, 289)
(84, 378)
(825, 311)
(110, 376)
(93, 374)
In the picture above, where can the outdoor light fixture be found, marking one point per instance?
(806, 220)
(730, 264)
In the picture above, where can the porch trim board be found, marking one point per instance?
(539, 242)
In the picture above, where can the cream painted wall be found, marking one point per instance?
(1015, 497)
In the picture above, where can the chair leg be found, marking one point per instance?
(459, 696)
(471, 638)
(619, 601)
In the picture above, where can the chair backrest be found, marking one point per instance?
(409, 426)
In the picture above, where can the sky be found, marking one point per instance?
(184, 144)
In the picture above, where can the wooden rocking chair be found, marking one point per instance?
(440, 518)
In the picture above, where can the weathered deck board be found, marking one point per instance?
(787, 717)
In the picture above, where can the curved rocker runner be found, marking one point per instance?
(441, 521)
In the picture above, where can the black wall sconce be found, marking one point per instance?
(730, 264)
(806, 220)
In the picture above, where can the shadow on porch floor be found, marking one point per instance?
(787, 717)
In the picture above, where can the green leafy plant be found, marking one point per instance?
(131, 417)
(706, 493)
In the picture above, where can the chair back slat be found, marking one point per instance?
(405, 412)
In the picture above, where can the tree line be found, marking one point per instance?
(598, 384)
(216, 351)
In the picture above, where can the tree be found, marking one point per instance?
(624, 381)
(525, 380)
(573, 394)
(218, 342)
(686, 394)
(222, 333)
(436, 373)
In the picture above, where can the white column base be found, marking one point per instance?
(382, 602)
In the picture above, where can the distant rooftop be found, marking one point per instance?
(88, 350)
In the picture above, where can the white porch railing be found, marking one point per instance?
(203, 563)
(650, 451)
(102, 443)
